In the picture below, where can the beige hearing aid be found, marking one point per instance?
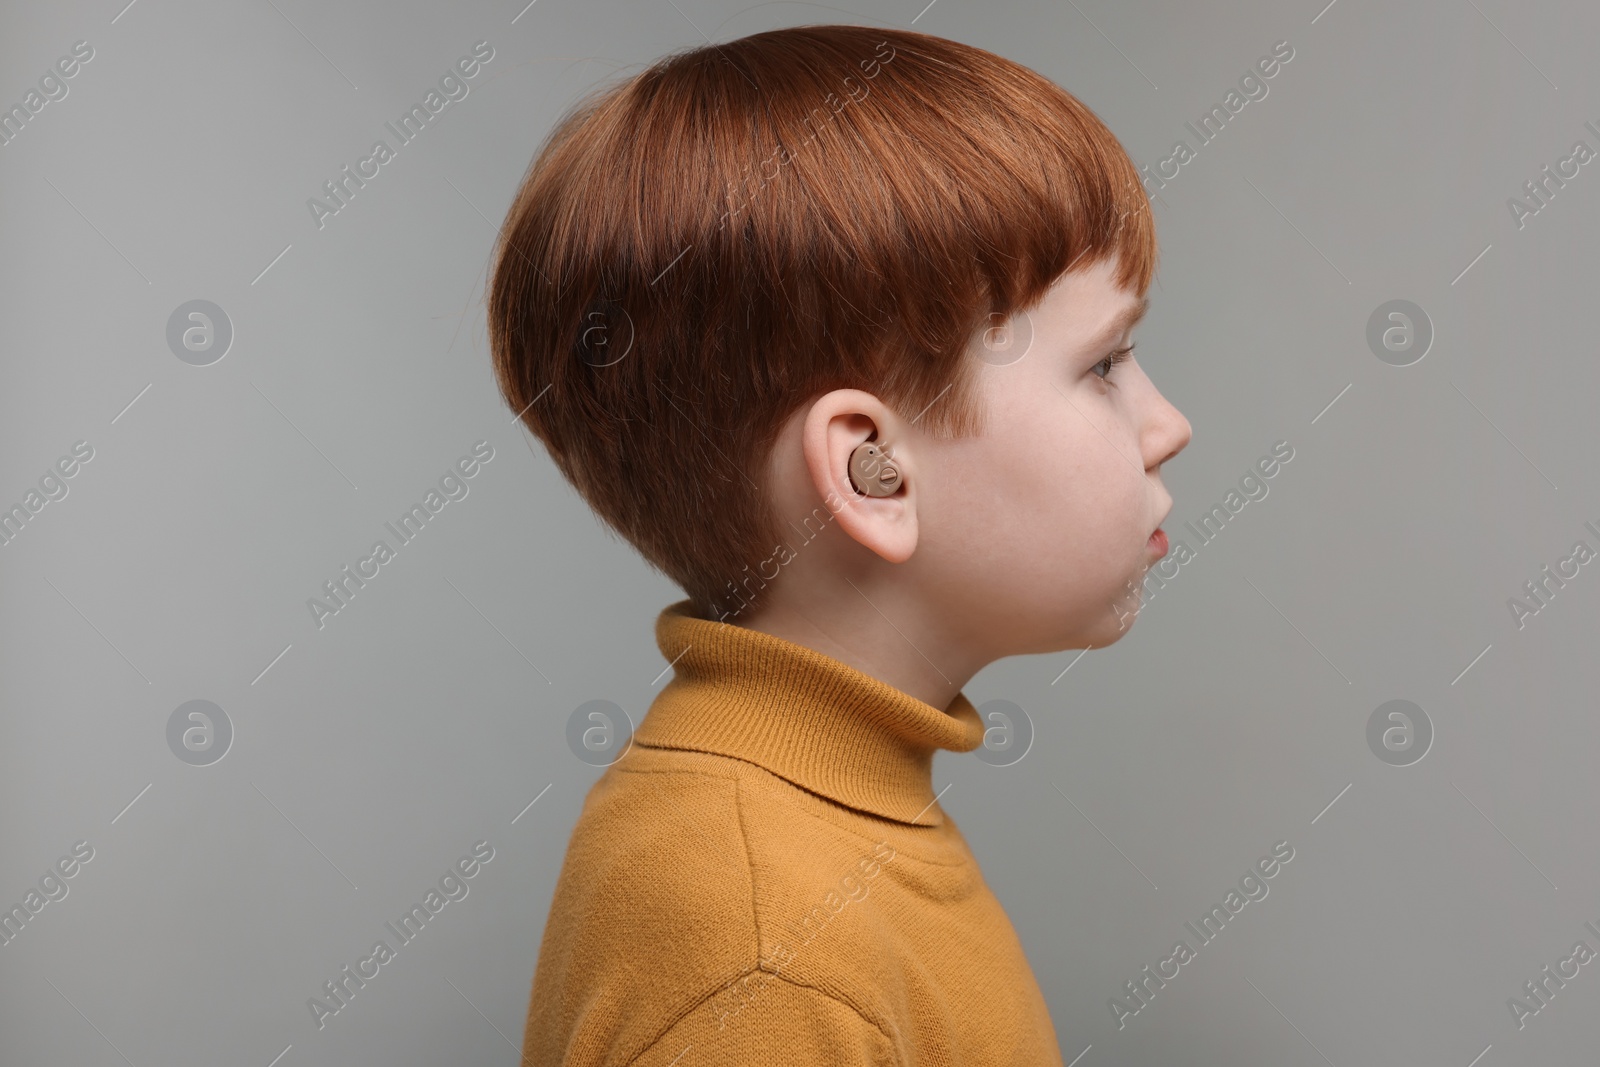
(872, 471)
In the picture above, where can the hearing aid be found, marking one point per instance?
(872, 471)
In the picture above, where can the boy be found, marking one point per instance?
(831, 323)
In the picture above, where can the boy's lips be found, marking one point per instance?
(1158, 540)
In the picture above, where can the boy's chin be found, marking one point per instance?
(1110, 633)
(1049, 621)
(1098, 635)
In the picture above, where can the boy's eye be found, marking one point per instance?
(1103, 368)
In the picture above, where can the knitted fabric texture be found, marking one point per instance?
(766, 877)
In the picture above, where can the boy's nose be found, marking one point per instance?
(1170, 432)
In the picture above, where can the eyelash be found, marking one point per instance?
(1112, 360)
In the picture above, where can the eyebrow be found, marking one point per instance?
(1123, 321)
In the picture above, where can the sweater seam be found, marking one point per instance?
(749, 866)
(854, 1010)
(690, 1010)
(749, 874)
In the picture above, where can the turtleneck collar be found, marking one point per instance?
(806, 717)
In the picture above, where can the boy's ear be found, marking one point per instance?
(836, 424)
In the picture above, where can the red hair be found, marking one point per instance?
(704, 247)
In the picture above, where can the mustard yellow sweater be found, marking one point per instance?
(766, 878)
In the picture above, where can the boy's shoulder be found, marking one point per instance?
(684, 898)
(658, 852)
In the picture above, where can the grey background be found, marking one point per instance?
(429, 713)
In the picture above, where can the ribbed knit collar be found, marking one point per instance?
(804, 716)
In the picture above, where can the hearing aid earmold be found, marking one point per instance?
(872, 469)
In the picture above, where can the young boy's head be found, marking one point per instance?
(725, 273)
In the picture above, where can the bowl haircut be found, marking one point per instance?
(699, 249)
